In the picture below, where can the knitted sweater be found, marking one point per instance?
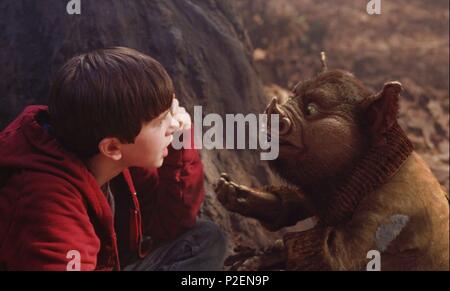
(392, 204)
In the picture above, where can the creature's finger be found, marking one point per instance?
(225, 176)
(237, 187)
(222, 197)
(279, 245)
(219, 184)
(222, 191)
(230, 189)
(251, 264)
(232, 199)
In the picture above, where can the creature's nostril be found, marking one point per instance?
(285, 123)
(278, 110)
(274, 108)
(285, 126)
(270, 107)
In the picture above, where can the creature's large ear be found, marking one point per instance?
(380, 111)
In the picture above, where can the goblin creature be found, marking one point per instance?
(351, 165)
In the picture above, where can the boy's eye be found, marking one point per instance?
(311, 109)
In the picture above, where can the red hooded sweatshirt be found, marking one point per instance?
(50, 204)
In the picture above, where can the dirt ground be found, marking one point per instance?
(408, 42)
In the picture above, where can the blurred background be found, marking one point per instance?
(408, 42)
(231, 56)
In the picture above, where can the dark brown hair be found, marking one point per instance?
(107, 93)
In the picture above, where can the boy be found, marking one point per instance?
(69, 175)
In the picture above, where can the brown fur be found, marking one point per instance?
(356, 170)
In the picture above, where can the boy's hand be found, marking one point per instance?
(180, 114)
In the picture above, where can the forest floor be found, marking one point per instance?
(408, 42)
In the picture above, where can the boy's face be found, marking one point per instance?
(150, 146)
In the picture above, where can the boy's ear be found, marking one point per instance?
(381, 110)
(111, 148)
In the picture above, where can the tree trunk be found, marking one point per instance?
(202, 44)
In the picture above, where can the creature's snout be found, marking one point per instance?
(285, 122)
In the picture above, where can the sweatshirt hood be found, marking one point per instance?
(25, 145)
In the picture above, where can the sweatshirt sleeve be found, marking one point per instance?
(171, 196)
(51, 230)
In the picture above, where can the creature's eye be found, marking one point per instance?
(311, 109)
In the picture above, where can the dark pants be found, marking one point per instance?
(202, 248)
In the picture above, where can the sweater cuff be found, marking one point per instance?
(306, 250)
